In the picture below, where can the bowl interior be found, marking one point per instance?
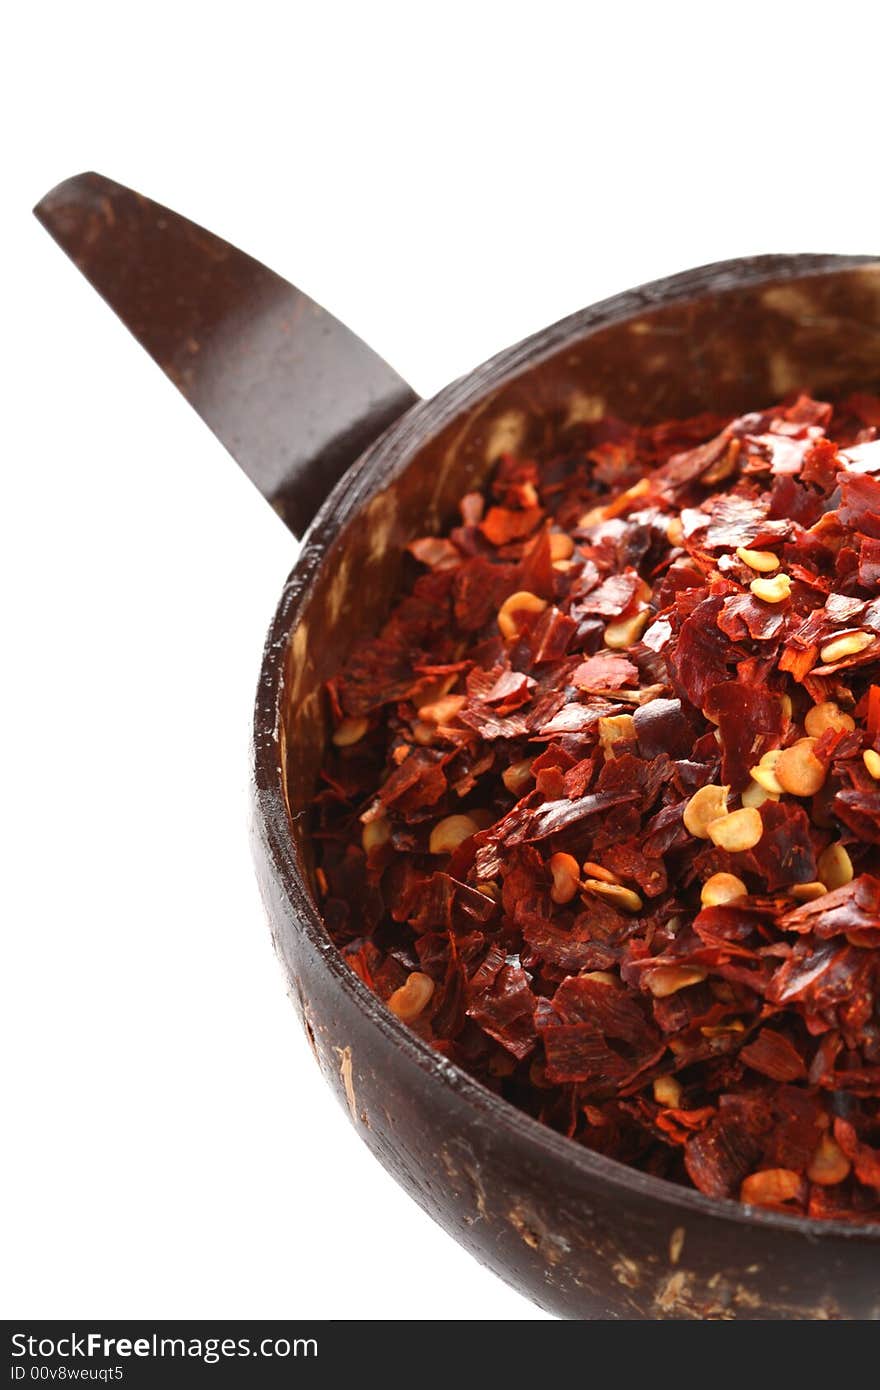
(725, 338)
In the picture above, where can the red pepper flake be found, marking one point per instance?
(692, 602)
(873, 711)
(605, 672)
(720, 1157)
(773, 1055)
(503, 525)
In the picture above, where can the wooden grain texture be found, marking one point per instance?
(291, 392)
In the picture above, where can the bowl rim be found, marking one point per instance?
(376, 468)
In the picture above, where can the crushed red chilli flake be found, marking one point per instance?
(644, 661)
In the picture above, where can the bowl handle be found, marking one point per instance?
(291, 392)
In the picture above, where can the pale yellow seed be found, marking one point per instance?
(604, 976)
(514, 609)
(413, 997)
(613, 728)
(718, 1030)
(770, 758)
(669, 979)
(350, 731)
(518, 776)
(798, 770)
(722, 888)
(762, 560)
(614, 893)
(566, 877)
(625, 631)
(592, 870)
(827, 715)
(770, 1186)
(850, 644)
(675, 532)
(723, 466)
(618, 505)
(423, 733)
(704, 807)
(872, 763)
(768, 781)
(489, 889)
(765, 772)
(667, 1092)
(785, 703)
(561, 546)
(442, 711)
(436, 688)
(375, 834)
(829, 1164)
(755, 795)
(835, 866)
(738, 831)
(808, 892)
(775, 590)
(450, 832)
(637, 490)
(651, 692)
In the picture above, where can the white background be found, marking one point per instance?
(445, 179)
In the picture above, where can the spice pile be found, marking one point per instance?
(601, 816)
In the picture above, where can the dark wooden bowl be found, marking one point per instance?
(582, 1235)
(295, 396)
